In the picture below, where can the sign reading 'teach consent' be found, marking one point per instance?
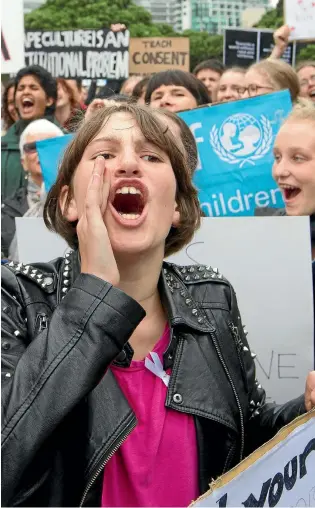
(79, 53)
(155, 54)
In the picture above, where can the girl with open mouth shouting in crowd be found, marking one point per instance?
(124, 375)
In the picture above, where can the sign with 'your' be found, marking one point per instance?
(235, 142)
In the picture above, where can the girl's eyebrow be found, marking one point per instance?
(109, 139)
(139, 143)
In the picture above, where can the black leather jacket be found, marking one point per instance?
(64, 415)
(12, 207)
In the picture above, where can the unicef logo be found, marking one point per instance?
(242, 138)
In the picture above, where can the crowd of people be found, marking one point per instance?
(116, 364)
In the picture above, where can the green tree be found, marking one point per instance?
(273, 17)
(306, 53)
(61, 15)
(203, 46)
(74, 14)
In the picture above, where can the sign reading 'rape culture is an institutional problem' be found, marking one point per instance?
(79, 53)
(156, 54)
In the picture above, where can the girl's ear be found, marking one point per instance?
(70, 212)
(176, 216)
(49, 102)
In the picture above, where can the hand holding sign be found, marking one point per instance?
(310, 391)
(117, 27)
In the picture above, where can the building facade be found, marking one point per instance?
(213, 15)
(162, 10)
(183, 15)
(30, 5)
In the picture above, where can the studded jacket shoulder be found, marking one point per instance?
(63, 413)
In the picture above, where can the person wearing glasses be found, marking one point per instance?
(272, 75)
(231, 85)
(306, 75)
(29, 195)
(305, 70)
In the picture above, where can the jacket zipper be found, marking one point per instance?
(108, 456)
(42, 322)
(213, 336)
(239, 346)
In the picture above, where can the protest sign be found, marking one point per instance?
(300, 16)
(50, 152)
(155, 54)
(258, 255)
(245, 47)
(12, 36)
(280, 473)
(79, 53)
(36, 243)
(255, 254)
(235, 142)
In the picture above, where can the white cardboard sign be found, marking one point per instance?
(36, 243)
(12, 36)
(280, 473)
(268, 261)
(300, 16)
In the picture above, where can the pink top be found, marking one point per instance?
(157, 465)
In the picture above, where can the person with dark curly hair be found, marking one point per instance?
(35, 96)
(9, 113)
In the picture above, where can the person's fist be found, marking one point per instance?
(96, 105)
(117, 27)
(310, 391)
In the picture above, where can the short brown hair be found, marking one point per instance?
(154, 129)
(140, 88)
(212, 64)
(280, 74)
(305, 63)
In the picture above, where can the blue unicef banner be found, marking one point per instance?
(50, 152)
(235, 142)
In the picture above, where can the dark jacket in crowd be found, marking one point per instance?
(14, 206)
(64, 414)
(12, 172)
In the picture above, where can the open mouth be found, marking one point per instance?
(27, 103)
(312, 94)
(129, 202)
(290, 192)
